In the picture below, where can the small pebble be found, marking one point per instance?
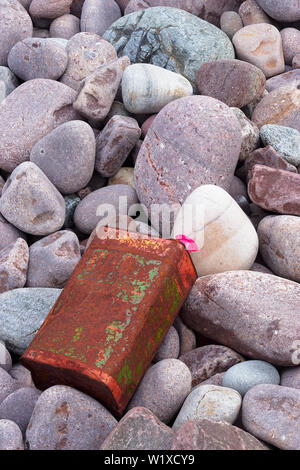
(19, 405)
(13, 265)
(212, 402)
(170, 347)
(244, 376)
(231, 23)
(65, 26)
(5, 358)
(10, 436)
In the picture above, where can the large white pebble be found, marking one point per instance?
(226, 238)
(147, 88)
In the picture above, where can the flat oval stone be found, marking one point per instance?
(22, 313)
(284, 79)
(169, 38)
(53, 259)
(65, 26)
(290, 43)
(279, 242)
(8, 82)
(212, 402)
(192, 141)
(86, 52)
(281, 10)
(163, 389)
(50, 9)
(145, 430)
(146, 88)
(19, 405)
(29, 113)
(275, 190)
(84, 421)
(206, 361)
(170, 347)
(246, 375)
(5, 358)
(230, 23)
(290, 377)
(285, 140)
(114, 144)
(244, 82)
(38, 58)
(10, 436)
(271, 413)
(205, 434)
(31, 202)
(15, 25)
(86, 218)
(98, 15)
(225, 237)
(225, 306)
(261, 45)
(13, 265)
(67, 156)
(280, 107)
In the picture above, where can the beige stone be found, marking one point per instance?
(261, 45)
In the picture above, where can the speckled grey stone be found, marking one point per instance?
(5, 358)
(8, 82)
(271, 413)
(212, 402)
(67, 156)
(15, 25)
(241, 377)
(38, 58)
(7, 384)
(170, 38)
(98, 15)
(139, 429)
(86, 218)
(19, 405)
(186, 335)
(285, 140)
(279, 241)
(10, 436)
(65, 418)
(290, 377)
(163, 389)
(53, 259)
(31, 202)
(170, 347)
(22, 313)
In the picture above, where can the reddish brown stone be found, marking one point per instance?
(135, 5)
(205, 434)
(275, 190)
(193, 140)
(146, 125)
(267, 156)
(209, 360)
(252, 13)
(234, 82)
(13, 265)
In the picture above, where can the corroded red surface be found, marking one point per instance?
(112, 316)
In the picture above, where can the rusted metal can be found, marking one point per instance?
(110, 319)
